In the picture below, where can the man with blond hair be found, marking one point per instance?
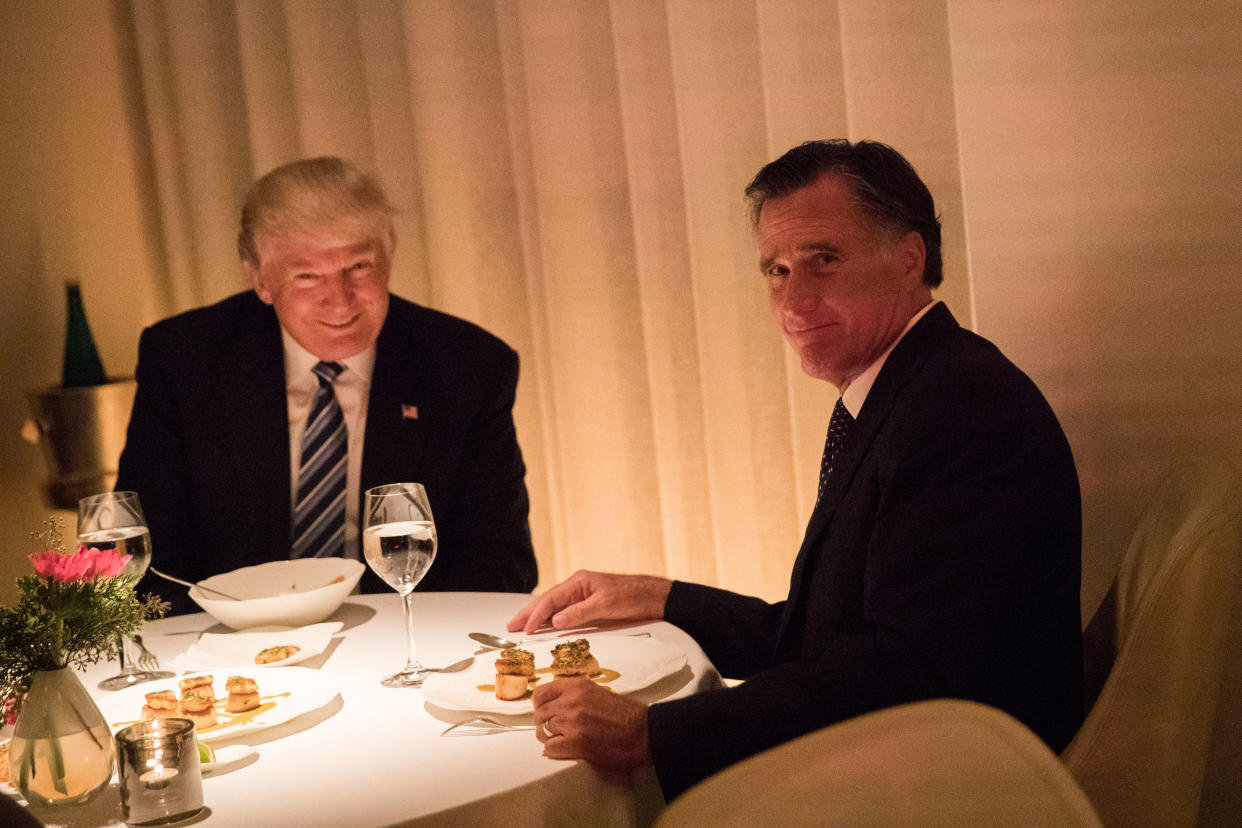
(260, 420)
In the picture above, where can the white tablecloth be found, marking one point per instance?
(374, 756)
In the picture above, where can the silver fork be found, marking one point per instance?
(488, 723)
(147, 660)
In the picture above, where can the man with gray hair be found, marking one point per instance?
(942, 555)
(260, 420)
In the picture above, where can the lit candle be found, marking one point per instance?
(158, 776)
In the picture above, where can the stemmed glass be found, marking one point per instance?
(399, 542)
(114, 520)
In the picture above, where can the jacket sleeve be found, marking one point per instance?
(486, 534)
(154, 463)
(737, 632)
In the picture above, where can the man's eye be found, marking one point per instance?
(305, 277)
(360, 267)
(776, 272)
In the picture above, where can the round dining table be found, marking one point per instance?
(379, 756)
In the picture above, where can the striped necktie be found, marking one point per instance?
(319, 515)
(838, 428)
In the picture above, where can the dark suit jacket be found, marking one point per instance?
(208, 444)
(942, 561)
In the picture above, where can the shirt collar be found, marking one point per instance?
(299, 362)
(856, 394)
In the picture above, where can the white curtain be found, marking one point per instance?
(570, 177)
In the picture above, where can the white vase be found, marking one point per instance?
(61, 751)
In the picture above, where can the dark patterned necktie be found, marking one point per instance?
(319, 515)
(838, 428)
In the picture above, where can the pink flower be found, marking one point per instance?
(83, 565)
(10, 710)
(57, 567)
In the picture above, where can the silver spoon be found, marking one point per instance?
(501, 643)
(191, 585)
(496, 641)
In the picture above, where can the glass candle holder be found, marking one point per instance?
(158, 772)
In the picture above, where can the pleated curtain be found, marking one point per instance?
(570, 175)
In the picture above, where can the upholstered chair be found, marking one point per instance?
(1158, 643)
(937, 763)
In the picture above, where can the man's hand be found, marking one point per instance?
(590, 597)
(576, 718)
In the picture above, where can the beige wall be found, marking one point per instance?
(1102, 177)
(69, 209)
(1084, 155)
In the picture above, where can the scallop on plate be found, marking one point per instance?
(627, 664)
(283, 694)
(213, 649)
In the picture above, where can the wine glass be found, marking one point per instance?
(399, 542)
(114, 520)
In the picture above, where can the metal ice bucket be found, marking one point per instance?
(82, 431)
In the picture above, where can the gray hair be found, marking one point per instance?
(887, 190)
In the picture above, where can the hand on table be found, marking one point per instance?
(576, 718)
(589, 597)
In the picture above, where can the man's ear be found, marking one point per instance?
(912, 254)
(255, 277)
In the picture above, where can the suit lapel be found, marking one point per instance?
(845, 467)
(395, 407)
(902, 364)
(259, 451)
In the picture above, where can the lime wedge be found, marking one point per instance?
(205, 753)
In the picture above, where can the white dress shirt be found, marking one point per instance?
(353, 387)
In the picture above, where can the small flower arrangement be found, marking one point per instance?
(71, 612)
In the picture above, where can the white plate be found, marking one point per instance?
(641, 662)
(285, 693)
(214, 649)
(226, 756)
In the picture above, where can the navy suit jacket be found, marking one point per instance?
(943, 560)
(208, 444)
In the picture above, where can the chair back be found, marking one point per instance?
(1142, 752)
(937, 763)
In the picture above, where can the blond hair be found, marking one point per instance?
(311, 194)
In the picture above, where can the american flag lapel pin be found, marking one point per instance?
(409, 412)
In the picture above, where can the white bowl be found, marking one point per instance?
(280, 593)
